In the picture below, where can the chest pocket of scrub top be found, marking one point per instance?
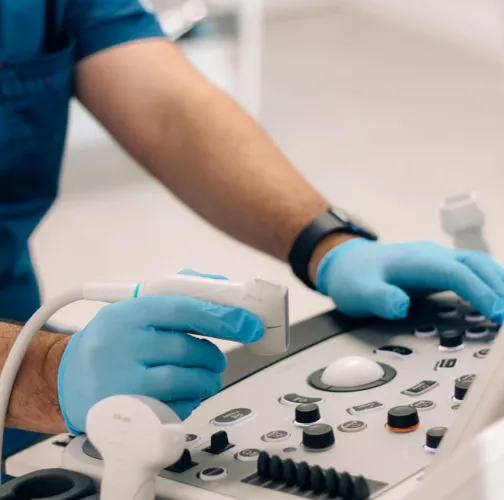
(34, 103)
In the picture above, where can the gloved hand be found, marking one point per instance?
(141, 346)
(371, 279)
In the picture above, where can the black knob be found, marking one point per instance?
(289, 473)
(263, 465)
(402, 418)
(318, 437)
(461, 388)
(451, 339)
(361, 488)
(276, 468)
(346, 486)
(304, 476)
(317, 479)
(307, 413)
(434, 437)
(332, 483)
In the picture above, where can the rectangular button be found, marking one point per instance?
(421, 388)
(360, 409)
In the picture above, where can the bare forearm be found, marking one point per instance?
(221, 163)
(199, 143)
(34, 402)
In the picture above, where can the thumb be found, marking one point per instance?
(374, 297)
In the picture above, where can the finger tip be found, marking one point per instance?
(400, 308)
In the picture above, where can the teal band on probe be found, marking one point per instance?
(137, 289)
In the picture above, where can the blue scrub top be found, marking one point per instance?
(41, 41)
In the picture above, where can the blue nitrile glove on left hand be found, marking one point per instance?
(366, 278)
(142, 346)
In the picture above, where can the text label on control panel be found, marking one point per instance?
(394, 350)
(445, 363)
(421, 388)
(359, 409)
(233, 417)
(293, 399)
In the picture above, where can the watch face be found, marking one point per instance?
(354, 222)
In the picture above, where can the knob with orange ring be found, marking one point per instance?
(402, 419)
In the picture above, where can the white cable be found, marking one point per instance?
(267, 300)
(16, 355)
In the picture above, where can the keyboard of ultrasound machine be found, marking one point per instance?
(245, 443)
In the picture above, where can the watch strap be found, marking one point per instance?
(312, 235)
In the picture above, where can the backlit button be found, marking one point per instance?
(421, 388)
(213, 474)
(474, 317)
(433, 438)
(447, 312)
(365, 408)
(482, 353)
(352, 426)
(424, 405)
(462, 385)
(192, 439)
(477, 332)
(248, 455)
(426, 331)
(233, 417)
(451, 340)
(275, 436)
(293, 399)
(394, 350)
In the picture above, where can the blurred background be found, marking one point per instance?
(386, 106)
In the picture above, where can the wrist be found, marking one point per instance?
(323, 248)
(34, 402)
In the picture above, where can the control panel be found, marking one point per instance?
(351, 411)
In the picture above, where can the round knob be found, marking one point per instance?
(461, 388)
(318, 437)
(403, 419)
(308, 413)
(352, 371)
(451, 339)
(434, 437)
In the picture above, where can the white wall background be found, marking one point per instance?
(385, 118)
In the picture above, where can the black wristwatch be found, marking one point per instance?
(334, 221)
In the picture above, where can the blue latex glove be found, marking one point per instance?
(140, 346)
(371, 279)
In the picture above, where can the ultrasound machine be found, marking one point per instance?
(330, 408)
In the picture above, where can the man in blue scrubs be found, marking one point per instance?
(113, 56)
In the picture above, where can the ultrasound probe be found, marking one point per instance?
(267, 300)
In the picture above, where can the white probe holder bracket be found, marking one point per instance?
(463, 220)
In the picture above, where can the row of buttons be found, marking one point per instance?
(471, 315)
(473, 333)
(462, 384)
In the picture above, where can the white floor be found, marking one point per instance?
(384, 121)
